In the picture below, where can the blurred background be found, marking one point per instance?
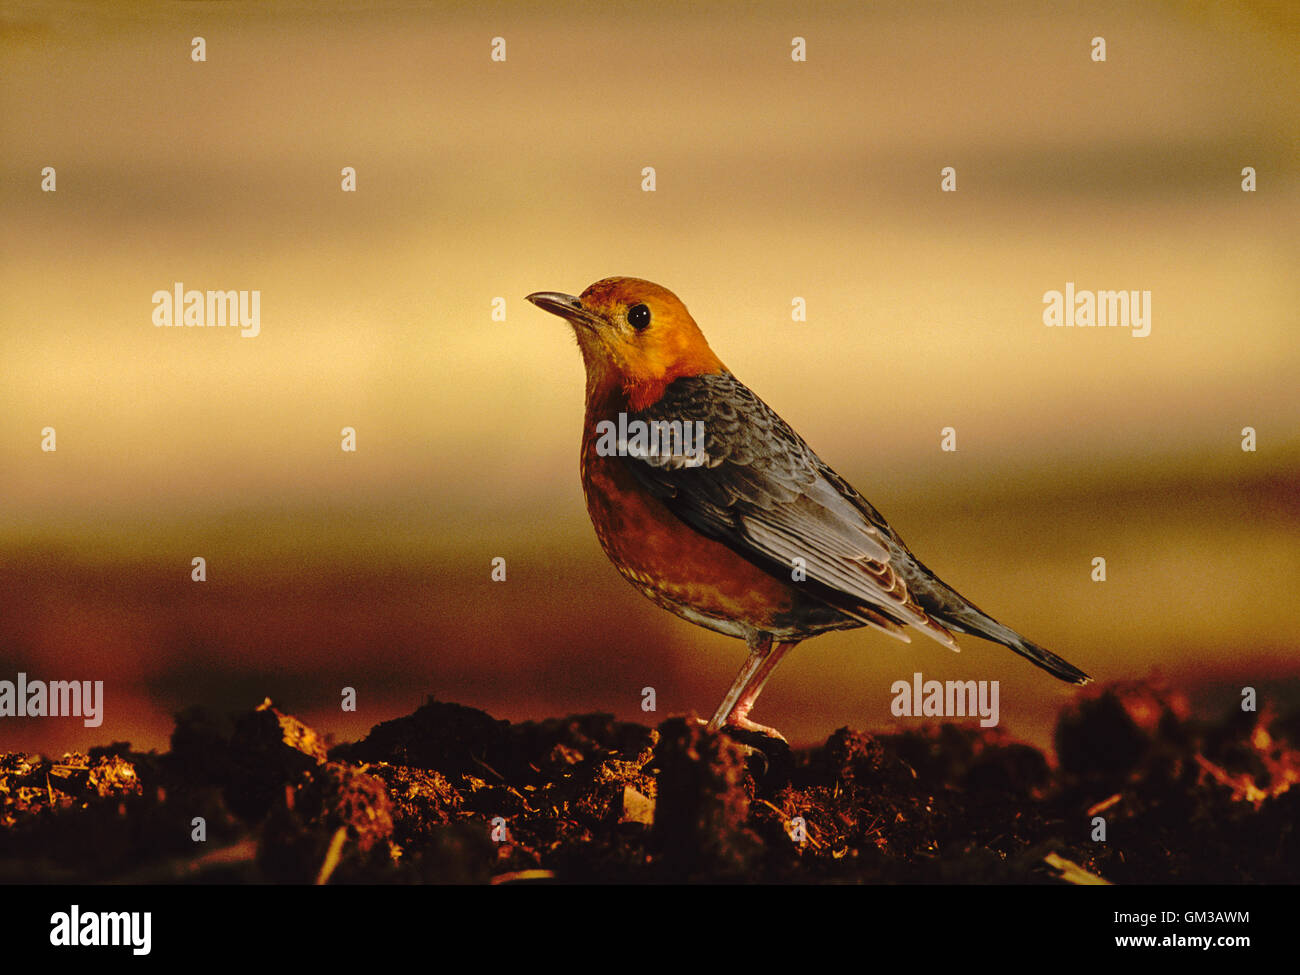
(479, 179)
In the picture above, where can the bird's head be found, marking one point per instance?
(632, 333)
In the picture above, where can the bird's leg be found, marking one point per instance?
(760, 645)
(734, 710)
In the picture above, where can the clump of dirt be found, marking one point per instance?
(449, 794)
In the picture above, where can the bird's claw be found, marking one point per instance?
(753, 727)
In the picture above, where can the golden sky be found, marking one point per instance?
(479, 179)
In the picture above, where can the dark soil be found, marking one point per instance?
(450, 795)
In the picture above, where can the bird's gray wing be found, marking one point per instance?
(723, 461)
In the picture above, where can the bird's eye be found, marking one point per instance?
(638, 316)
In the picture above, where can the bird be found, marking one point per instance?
(729, 519)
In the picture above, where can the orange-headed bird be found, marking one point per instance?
(744, 529)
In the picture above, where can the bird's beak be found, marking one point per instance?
(566, 306)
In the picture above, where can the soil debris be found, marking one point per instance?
(1142, 794)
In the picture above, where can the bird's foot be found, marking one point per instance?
(766, 752)
(742, 723)
(746, 727)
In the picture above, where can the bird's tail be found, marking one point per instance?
(1050, 662)
(991, 629)
(957, 613)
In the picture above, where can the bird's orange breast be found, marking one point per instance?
(670, 562)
